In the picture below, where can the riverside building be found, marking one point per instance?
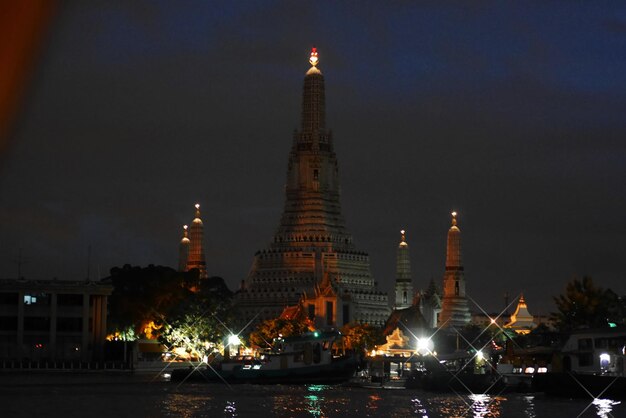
(52, 319)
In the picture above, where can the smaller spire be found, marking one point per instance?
(454, 218)
(403, 238)
(185, 232)
(197, 210)
(313, 59)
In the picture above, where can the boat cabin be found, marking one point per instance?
(596, 351)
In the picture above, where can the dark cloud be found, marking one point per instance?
(512, 116)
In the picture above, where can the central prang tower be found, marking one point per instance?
(312, 255)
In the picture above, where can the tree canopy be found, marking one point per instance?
(176, 307)
(586, 305)
(201, 322)
(361, 337)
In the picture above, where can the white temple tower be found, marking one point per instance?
(404, 286)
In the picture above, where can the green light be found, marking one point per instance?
(612, 325)
(316, 334)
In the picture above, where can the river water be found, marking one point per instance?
(150, 395)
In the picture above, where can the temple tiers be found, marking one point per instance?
(312, 254)
(195, 259)
(404, 286)
(454, 311)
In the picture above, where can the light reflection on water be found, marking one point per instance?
(115, 396)
(604, 407)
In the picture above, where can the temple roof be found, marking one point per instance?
(408, 318)
(521, 318)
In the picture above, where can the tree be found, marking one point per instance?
(201, 322)
(143, 297)
(586, 305)
(361, 337)
(269, 329)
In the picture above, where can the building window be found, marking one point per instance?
(8, 298)
(8, 323)
(329, 313)
(36, 323)
(69, 324)
(346, 313)
(585, 344)
(36, 299)
(404, 297)
(316, 175)
(311, 312)
(456, 288)
(70, 300)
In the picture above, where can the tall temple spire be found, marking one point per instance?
(183, 252)
(196, 245)
(404, 287)
(312, 246)
(312, 210)
(454, 311)
(313, 102)
(453, 254)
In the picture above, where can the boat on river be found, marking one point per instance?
(461, 371)
(592, 363)
(314, 357)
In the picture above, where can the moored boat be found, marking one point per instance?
(310, 358)
(592, 363)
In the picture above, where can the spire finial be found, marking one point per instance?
(185, 233)
(197, 210)
(454, 218)
(313, 58)
(403, 239)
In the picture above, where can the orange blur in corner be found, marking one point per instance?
(23, 24)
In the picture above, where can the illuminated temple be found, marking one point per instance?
(312, 261)
(454, 307)
(404, 286)
(191, 247)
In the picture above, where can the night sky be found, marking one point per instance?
(511, 113)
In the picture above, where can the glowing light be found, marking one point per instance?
(185, 227)
(542, 370)
(234, 340)
(313, 58)
(402, 232)
(424, 346)
(529, 370)
(197, 205)
(454, 214)
(316, 334)
(493, 321)
(480, 355)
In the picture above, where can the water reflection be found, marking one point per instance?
(485, 406)
(315, 401)
(372, 403)
(604, 407)
(418, 408)
(230, 410)
(529, 407)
